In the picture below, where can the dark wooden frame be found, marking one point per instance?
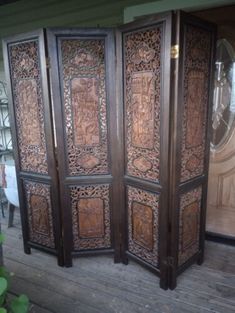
(169, 186)
(178, 188)
(53, 37)
(51, 179)
(164, 19)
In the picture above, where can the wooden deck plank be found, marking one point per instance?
(96, 284)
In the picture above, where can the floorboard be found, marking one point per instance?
(97, 285)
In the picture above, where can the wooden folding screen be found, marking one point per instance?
(113, 157)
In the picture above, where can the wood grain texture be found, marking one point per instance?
(95, 285)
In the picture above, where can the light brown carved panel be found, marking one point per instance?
(85, 111)
(143, 227)
(196, 78)
(190, 208)
(28, 104)
(142, 69)
(85, 116)
(142, 87)
(91, 216)
(38, 201)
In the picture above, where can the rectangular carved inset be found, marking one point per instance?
(39, 209)
(142, 100)
(142, 91)
(27, 93)
(190, 224)
(195, 113)
(40, 220)
(91, 217)
(197, 58)
(142, 225)
(28, 101)
(190, 208)
(85, 111)
(83, 76)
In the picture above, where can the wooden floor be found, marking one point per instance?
(96, 285)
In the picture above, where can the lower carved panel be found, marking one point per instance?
(38, 199)
(190, 208)
(143, 208)
(91, 217)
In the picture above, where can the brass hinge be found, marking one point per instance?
(175, 52)
(48, 63)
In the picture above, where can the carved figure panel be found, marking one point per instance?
(27, 91)
(28, 105)
(196, 78)
(190, 208)
(142, 225)
(91, 217)
(143, 212)
(38, 201)
(142, 69)
(85, 116)
(142, 88)
(85, 111)
(195, 113)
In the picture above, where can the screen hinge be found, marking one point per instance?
(175, 51)
(169, 261)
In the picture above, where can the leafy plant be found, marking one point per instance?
(19, 304)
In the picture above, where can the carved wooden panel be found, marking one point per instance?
(143, 211)
(190, 208)
(196, 79)
(28, 104)
(142, 69)
(142, 219)
(91, 216)
(85, 116)
(38, 201)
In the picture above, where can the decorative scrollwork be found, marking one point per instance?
(85, 117)
(91, 217)
(28, 104)
(196, 77)
(190, 208)
(38, 201)
(142, 58)
(143, 233)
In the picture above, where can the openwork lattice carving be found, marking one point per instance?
(38, 201)
(83, 65)
(142, 102)
(196, 78)
(91, 217)
(143, 208)
(28, 103)
(190, 208)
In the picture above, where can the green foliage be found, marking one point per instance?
(17, 305)
(2, 239)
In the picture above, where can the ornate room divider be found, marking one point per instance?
(110, 130)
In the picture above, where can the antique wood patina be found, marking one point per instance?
(125, 169)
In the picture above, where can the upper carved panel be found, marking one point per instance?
(142, 69)
(91, 217)
(38, 202)
(28, 105)
(190, 208)
(85, 116)
(143, 228)
(196, 76)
